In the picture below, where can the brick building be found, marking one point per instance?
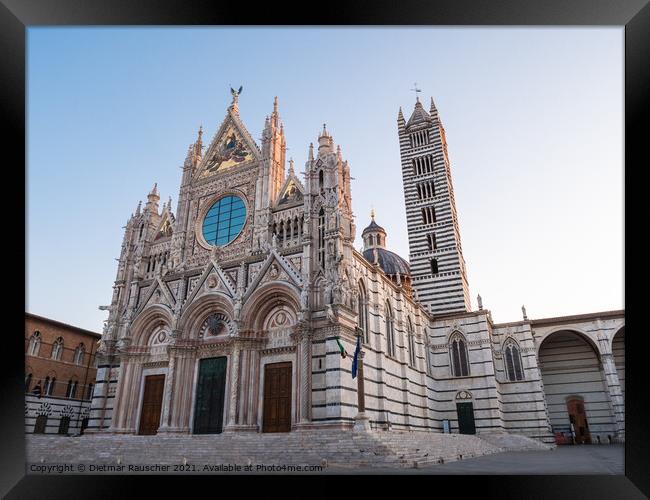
(60, 372)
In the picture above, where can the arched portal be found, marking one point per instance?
(574, 385)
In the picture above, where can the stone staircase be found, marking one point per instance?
(515, 442)
(330, 448)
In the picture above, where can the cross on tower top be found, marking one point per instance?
(416, 90)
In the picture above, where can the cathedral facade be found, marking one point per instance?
(248, 309)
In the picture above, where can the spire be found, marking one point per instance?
(154, 193)
(324, 133)
(400, 115)
(311, 150)
(138, 209)
(291, 171)
(372, 214)
(325, 142)
(275, 104)
(433, 108)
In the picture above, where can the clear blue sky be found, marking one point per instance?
(534, 122)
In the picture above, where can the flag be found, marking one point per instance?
(356, 357)
(341, 348)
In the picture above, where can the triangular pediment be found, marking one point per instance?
(213, 279)
(275, 268)
(165, 226)
(157, 293)
(231, 146)
(291, 193)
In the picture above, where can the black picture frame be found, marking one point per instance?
(17, 15)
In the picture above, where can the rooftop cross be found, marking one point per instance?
(416, 90)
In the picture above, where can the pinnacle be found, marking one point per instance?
(433, 108)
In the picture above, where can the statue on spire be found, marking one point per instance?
(235, 93)
(235, 97)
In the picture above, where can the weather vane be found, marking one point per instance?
(416, 89)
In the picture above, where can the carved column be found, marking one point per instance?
(610, 375)
(234, 387)
(305, 378)
(615, 395)
(167, 395)
(121, 396)
(182, 389)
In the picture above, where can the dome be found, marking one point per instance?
(390, 262)
(373, 226)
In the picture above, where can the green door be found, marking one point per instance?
(465, 418)
(210, 393)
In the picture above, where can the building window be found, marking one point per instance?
(79, 354)
(64, 424)
(39, 426)
(48, 389)
(72, 389)
(363, 313)
(514, 370)
(89, 394)
(321, 238)
(320, 180)
(459, 358)
(57, 348)
(434, 266)
(431, 242)
(34, 343)
(390, 333)
(224, 220)
(411, 339)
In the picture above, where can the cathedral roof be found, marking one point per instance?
(419, 115)
(390, 262)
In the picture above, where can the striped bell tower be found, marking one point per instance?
(435, 252)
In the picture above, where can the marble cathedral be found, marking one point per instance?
(241, 311)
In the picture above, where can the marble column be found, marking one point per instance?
(234, 388)
(121, 396)
(182, 392)
(610, 376)
(170, 380)
(615, 395)
(304, 377)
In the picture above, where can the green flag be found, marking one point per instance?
(341, 348)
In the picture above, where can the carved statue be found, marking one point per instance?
(330, 313)
(304, 298)
(480, 302)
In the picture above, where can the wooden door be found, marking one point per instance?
(277, 398)
(578, 417)
(465, 418)
(210, 396)
(40, 424)
(151, 404)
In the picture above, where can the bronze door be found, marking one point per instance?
(465, 413)
(210, 394)
(277, 398)
(151, 404)
(578, 418)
